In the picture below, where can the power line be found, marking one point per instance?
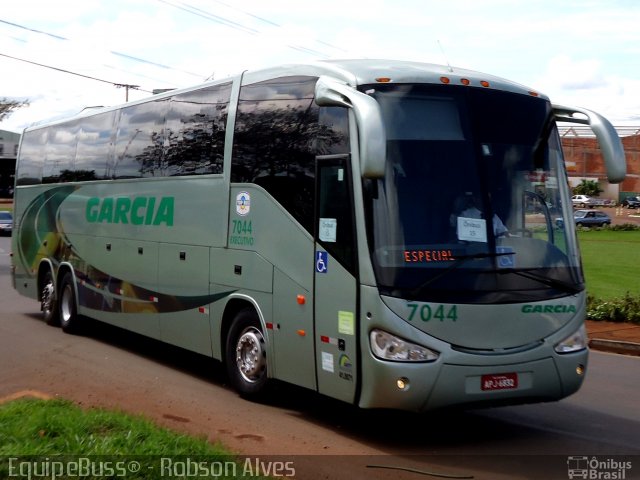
(211, 17)
(272, 23)
(113, 52)
(239, 26)
(115, 84)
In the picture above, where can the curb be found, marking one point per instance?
(615, 346)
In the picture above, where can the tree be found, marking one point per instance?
(8, 106)
(588, 187)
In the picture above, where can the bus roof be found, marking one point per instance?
(366, 71)
(353, 72)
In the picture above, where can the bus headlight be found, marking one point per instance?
(574, 342)
(389, 347)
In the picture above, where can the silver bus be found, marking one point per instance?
(381, 232)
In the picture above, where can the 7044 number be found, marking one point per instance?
(242, 227)
(425, 312)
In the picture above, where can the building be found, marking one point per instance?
(584, 161)
(8, 153)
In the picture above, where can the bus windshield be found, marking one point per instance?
(474, 205)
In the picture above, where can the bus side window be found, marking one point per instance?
(194, 131)
(139, 141)
(60, 153)
(95, 147)
(29, 171)
(274, 139)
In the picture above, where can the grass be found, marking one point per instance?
(611, 261)
(35, 430)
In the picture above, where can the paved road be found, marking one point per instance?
(108, 367)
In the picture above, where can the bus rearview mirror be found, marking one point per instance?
(610, 144)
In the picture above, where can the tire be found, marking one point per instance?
(67, 308)
(48, 303)
(246, 355)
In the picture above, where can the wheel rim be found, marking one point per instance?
(251, 358)
(47, 297)
(66, 307)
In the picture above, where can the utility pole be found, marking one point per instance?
(126, 87)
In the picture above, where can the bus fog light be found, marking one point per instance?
(403, 383)
(573, 343)
(389, 347)
(580, 370)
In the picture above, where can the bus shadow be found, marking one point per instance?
(190, 363)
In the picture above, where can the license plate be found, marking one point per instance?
(501, 381)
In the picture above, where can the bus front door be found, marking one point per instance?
(335, 285)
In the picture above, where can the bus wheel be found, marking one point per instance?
(67, 310)
(246, 355)
(48, 300)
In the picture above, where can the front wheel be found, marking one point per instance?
(246, 355)
(67, 308)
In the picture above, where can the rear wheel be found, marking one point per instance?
(68, 311)
(48, 300)
(246, 354)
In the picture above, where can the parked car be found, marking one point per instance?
(631, 202)
(588, 218)
(6, 223)
(582, 201)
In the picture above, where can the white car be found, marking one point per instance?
(581, 201)
(6, 223)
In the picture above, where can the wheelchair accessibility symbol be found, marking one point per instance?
(506, 257)
(322, 260)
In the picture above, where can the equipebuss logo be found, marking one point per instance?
(134, 211)
(549, 309)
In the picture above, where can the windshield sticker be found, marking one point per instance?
(327, 229)
(472, 229)
(327, 362)
(426, 256)
(243, 203)
(506, 257)
(346, 323)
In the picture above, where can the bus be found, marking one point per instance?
(325, 225)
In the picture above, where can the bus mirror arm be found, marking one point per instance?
(371, 134)
(610, 143)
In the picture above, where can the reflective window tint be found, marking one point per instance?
(139, 141)
(60, 153)
(194, 131)
(277, 137)
(333, 132)
(95, 145)
(31, 159)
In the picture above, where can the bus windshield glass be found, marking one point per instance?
(474, 205)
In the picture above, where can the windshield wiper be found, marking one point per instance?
(458, 262)
(550, 282)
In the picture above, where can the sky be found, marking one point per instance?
(582, 53)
